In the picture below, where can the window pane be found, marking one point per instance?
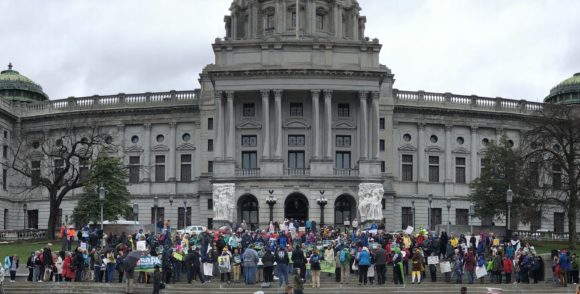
(462, 217)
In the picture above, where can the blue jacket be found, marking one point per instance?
(364, 258)
(563, 262)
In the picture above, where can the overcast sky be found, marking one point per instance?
(510, 48)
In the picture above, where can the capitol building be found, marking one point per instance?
(295, 118)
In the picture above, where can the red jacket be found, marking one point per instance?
(507, 266)
(66, 270)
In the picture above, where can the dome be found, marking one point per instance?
(16, 87)
(566, 92)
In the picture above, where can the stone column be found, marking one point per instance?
(448, 156)
(172, 158)
(498, 134)
(278, 100)
(147, 152)
(231, 126)
(375, 126)
(316, 122)
(219, 135)
(421, 166)
(266, 122)
(364, 142)
(473, 152)
(121, 136)
(234, 25)
(328, 110)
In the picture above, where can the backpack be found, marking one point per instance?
(315, 259)
(342, 256)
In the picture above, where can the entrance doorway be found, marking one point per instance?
(296, 207)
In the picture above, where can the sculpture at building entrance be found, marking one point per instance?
(369, 202)
(223, 201)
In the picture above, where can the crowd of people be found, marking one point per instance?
(293, 254)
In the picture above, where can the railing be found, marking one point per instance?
(346, 172)
(27, 234)
(423, 98)
(535, 235)
(248, 172)
(297, 172)
(102, 102)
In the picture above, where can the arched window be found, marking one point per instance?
(344, 209)
(248, 208)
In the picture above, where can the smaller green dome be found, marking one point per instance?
(566, 92)
(16, 87)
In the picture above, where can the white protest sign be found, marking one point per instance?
(409, 230)
(84, 245)
(433, 260)
(141, 245)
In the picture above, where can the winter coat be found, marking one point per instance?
(469, 262)
(417, 262)
(364, 258)
(268, 259)
(507, 265)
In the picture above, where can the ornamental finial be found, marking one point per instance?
(10, 66)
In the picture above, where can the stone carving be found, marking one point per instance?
(223, 201)
(369, 201)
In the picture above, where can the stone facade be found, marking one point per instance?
(304, 121)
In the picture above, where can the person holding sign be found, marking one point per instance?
(225, 265)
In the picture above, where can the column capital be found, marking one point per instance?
(474, 128)
(230, 94)
(448, 127)
(218, 94)
(315, 93)
(499, 130)
(327, 93)
(376, 94)
(172, 124)
(147, 126)
(421, 125)
(120, 127)
(363, 94)
(278, 93)
(265, 93)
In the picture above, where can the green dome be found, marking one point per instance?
(16, 87)
(566, 92)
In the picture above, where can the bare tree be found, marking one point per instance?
(56, 160)
(554, 160)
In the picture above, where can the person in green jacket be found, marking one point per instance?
(344, 261)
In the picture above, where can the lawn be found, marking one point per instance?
(23, 249)
(548, 246)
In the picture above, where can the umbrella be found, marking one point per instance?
(131, 260)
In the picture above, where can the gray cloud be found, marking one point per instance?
(516, 49)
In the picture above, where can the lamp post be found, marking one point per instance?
(135, 213)
(102, 192)
(471, 214)
(322, 202)
(413, 207)
(170, 211)
(184, 211)
(271, 201)
(448, 208)
(509, 199)
(155, 203)
(24, 208)
(429, 199)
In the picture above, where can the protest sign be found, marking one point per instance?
(409, 230)
(480, 272)
(84, 245)
(445, 267)
(147, 263)
(141, 245)
(327, 266)
(433, 260)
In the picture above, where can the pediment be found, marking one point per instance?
(134, 149)
(249, 124)
(185, 147)
(160, 148)
(344, 124)
(433, 149)
(36, 155)
(407, 147)
(294, 123)
(111, 149)
(461, 150)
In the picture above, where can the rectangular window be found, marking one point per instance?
(210, 223)
(381, 145)
(293, 20)
(4, 151)
(342, 160)
(406, 217)
(183, 217)
(296, 109)
(487, 221)
(32, 219)
(320, 22)
(536, 222)
(5, 215)
(249, 141)
(559, 222)
(4, 179)
(209, 204)
(58, 166)
(436, 217)
(160, 216)
(343, 141)
(210, 123)
(407, 168)
(5, 134)
(434, 169)
(185, 167)
(296, 140)
(83, 169)
(35, 172)
(534, 174)
(483, 163)
(383, 167)
(249, 160)
(296, 159)
(160, 168)
(134, 167)
(556, 176)
(210, 166)
(461, 217)
(210, 145)
(249, 110)
(460, 170)
(382, 123)
(343, 110)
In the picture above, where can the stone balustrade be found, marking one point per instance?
(464, 102)
(98, 102)
(26, 234)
